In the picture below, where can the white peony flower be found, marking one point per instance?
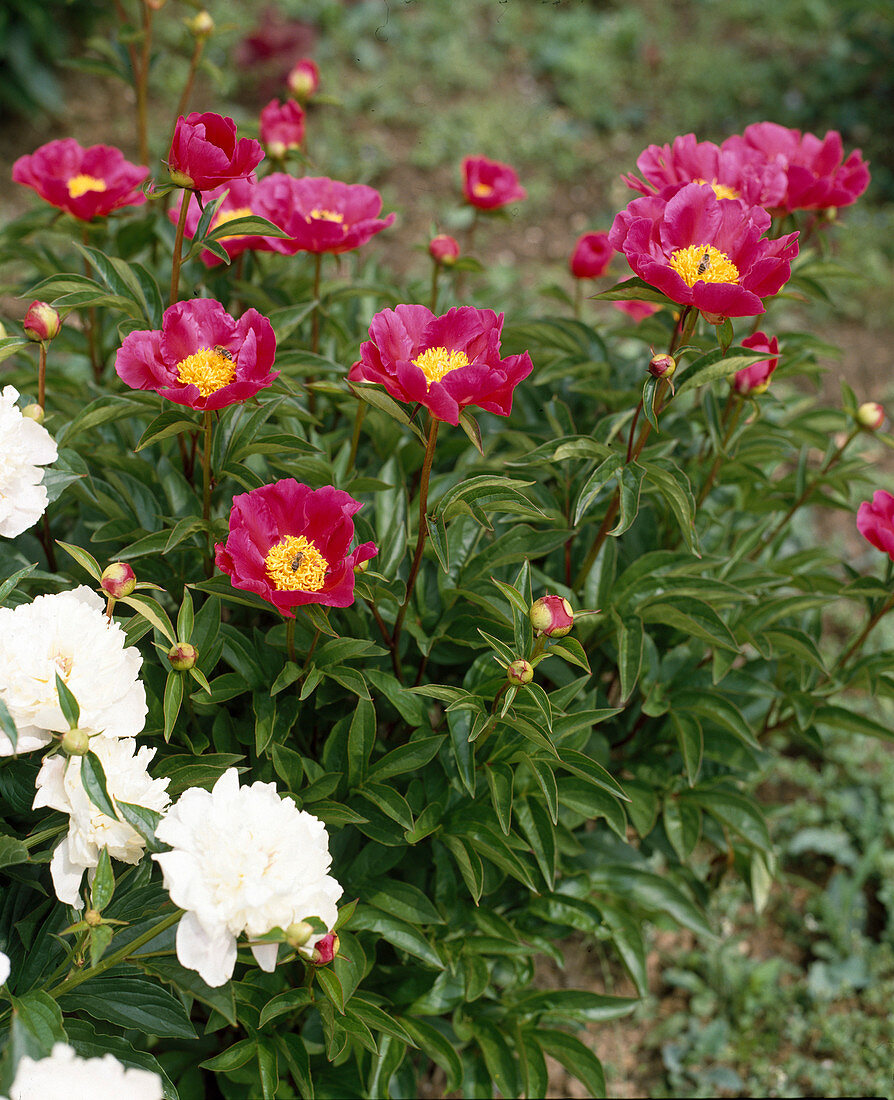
(90, 830)
(4, 968)
(65, 1076)
(69, 634)
(25, 446)
(243, 860)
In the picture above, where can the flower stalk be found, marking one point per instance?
(178, 246)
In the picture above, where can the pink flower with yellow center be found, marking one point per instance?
(702, 251)
(733, 172)
(87, 183)
(815, 171)
(291, 545)
(490, 184)
(320, 214)
(201, 357)
(445, 363)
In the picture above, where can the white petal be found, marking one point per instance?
(66, 876)
(4, 968)
(265, 955)
(212, 954)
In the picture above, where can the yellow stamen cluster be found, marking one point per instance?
(703, 263)
(436, 362)
(224, 216)
(482, 190)
(721, 190)
(208, 369)
(80, 185)
(322, 215)
(295, 563)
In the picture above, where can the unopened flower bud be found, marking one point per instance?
(303, 80)
(870, 416)
(276, 150)
(299, 933)
(183, 656)
(201, 24)
(118, 580)
(444, 249)
(34, 412)
(93, 917)
(41, 322)
(662, 365)
(361, 567)
(520, 672)
(76, 742)
(552, 616)
(325, 950)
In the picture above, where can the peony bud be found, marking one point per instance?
(552, 616)
(325, 950)
(444, 249)
(118, 580)
(592, 255)
(662, 365)
(870, 416)
(201, 24)
(34, 412)
(299, 933)
(276, 150)
(520, 672)
(183, 656)
(93, 917)
(361, 567)
(76, 742)
(41, 322)
(303, 80)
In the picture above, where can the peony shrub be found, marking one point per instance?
(356, 651)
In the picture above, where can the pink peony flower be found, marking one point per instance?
(445, 363)
(701, 251)
(320, 214)
(552, 616)
(592, 255)
(488, 184)
(816, 174)
(240, 202)
(282, 127)
(756, 378)
(875, 521)
(637, 311)
(205, 153)
(290, 545)
(87, 183)
(303, 79)
(201, 357)
(733, 172)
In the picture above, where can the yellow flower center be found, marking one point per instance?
(320, 214)
(482, 190)
(208, 368)
(436, 362)
(225, 216)
(80, 185)
(703, 263)
(295, 563)
(721, 190)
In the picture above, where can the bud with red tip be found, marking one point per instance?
(444, 249)
(183, 656)
(520, 672)
(76, 742)
(662, 365)
(870, 416)
(552, 616)
(118, 580)
(303, 80)
(41, 322)
(325, 950)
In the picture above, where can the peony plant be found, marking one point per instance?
(313, 743)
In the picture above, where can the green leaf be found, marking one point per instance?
(604, 473)
(575, 1056)
(93, 778)
(361, 740)
(232, 1058)
(546, 781)
(691, 617)
(103, 881)
(589, 769)
(634, 290)
(578, 1004)
(437, 534)
(8, 725)
(691, 740)
(499, 779)
(717, 364)
(630, 651)
(407, 902)
(682, 823)
(289, 1001)
(399, 933)
(12, 851)
(268, 1070)
(36, 1025)
(173, 697)
(295, 1053)
(674, 486)
(389, 801)
(840, 718)
(249, 226)
(83, 558)
(67, 703)
(406, 758)
(153, 612)
(649, 387)
(489, 493)
(144, 820)
(170, 422)
(648, 890)
(570, 650)
(469, 425)
(469, 863)
(737, 812)
(539, 831)
(713, 705)
(497, 1056)
(438, 1048)
(131, 1002)
(374, 395)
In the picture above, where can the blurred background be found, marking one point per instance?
(796, 1001)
